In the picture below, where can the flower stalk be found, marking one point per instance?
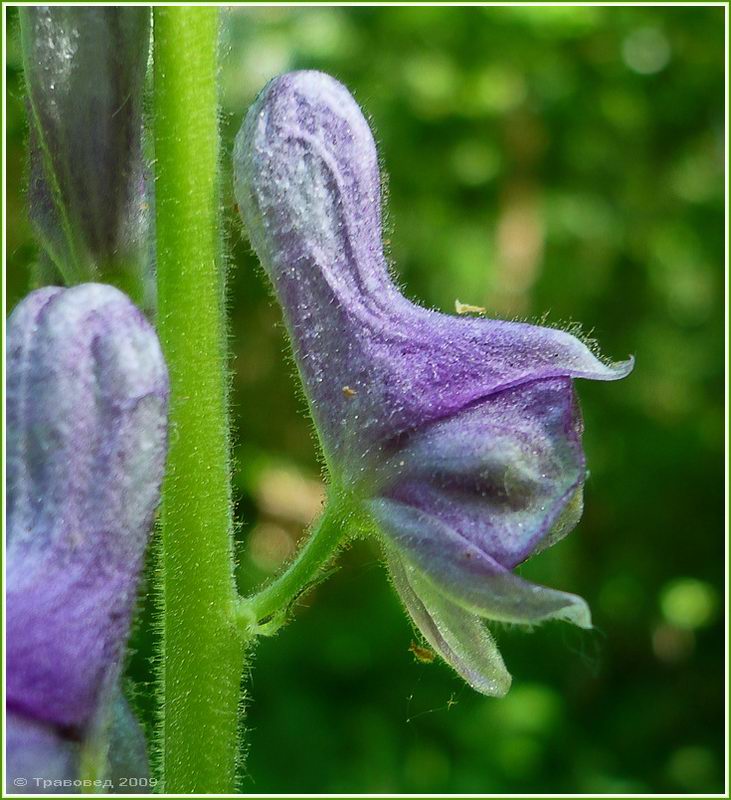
(202, 653)
(265, 611)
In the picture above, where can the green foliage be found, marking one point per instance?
(567, 160)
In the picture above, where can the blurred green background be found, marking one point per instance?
(561, 160)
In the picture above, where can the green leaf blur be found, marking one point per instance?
(560, 160)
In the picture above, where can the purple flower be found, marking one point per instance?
(459, 437)
(44, 759)
(35, 750)
(85, 73)
(87, 394)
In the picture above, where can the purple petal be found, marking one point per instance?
(465, 574)
(308, 188)
(37, 752)
(458, 636)
(86, 409)
(499, 473)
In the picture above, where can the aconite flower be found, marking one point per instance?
(459, 438)
(85, 74)
(87, 394)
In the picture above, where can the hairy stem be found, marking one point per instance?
(202, 653)
(270, 605)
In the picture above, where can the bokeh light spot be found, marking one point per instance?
(688, 603)
(692, 767)
(646, 51)
(270, 546)
(529, 709)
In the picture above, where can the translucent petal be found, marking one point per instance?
(459, 637)
(466, 575)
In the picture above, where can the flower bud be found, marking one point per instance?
(87, 393)
(85, 72)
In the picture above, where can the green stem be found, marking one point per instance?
(202, 652)
(275, 599)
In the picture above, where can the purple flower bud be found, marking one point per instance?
(85, 71)
(87, 394)
(461, 436)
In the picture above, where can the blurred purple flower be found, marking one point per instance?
(460, 437)
(85, 73)
(87, 393)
